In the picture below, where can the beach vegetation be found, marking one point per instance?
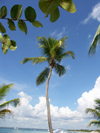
(96, 113)
(4, 106)
(53, 52)
(49, 8)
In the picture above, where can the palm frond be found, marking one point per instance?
(94, 122)
(66, 54)
(96, 38)
(4, 90)
(4, 112)
(97, 106)
(13, 102)
(42, 76)
(94, 112)
(60, 70)
(51, 47)
(35, 60)
(62, 41)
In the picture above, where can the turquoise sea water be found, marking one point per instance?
(10, 130)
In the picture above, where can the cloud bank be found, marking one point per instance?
(27, 115)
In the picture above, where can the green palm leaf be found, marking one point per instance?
(66, 54)
(62, 41)
(35, 60)
(4, 112)
(97, 106)
(60, 70)
(95, 122)
(4, 90)
(96, 38)
(43, 76)
(13, 102)
(94, 112)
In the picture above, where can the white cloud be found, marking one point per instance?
(61, 34)
(87, 98)
(95, 14)
(89, 36)
(36, 116)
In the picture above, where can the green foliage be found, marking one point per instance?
(3, 92)
(13, 102)
(3, 112)
(54, 15)
(3, 12)
(53, 53)
(94, 122)
(68, 5)
(30, 14)
(11, 25)
(42, 76)
(35, 60)
(2, 28)
(22, 26)
(16, 12)
(37, 24)
(95, 112)
(96, 39)
(51, 7)
(7, 43)
(60, 70)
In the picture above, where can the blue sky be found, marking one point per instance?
(70, 94)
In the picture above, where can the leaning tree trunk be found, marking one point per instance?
(48, 105)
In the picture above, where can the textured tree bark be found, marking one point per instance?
(48, 104)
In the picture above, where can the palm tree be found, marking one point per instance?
(3, 91)
(96, 39)
(96, 113)
(53, 53)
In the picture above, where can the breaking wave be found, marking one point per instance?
(60, 131)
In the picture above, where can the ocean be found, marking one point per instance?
(12, 130)
(16, 130)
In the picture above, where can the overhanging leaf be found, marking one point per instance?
(52, 8)
(37, 24)
(48, 6)
(16, 12)
(22, 26)
(43, 5)
(11, 25)
(96, 38)
(12, 45)
(30, 14)
(5, 43)
(4, 48)
(68, 5)
(3, 12)
(2, 29)
(54, 15)
(1, 38)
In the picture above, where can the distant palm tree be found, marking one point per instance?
(3, 91)
(96, 39)
(96, 113)
(53, 53)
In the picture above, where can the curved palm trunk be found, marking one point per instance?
(47, 102)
